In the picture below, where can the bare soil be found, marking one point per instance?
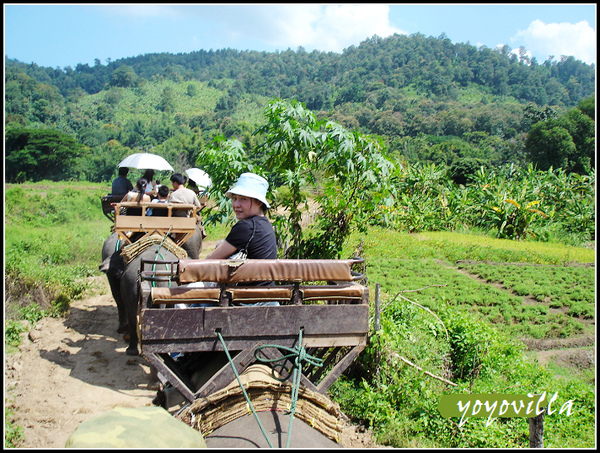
(70, 369)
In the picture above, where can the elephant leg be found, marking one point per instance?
(132, 349)
(129, 295)
(115, 288)
(113, 266)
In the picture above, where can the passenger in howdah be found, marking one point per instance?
(121, 185)
(182, 194)
(139, 193)
(163, 197)
(252, 237)
(253, 233)
(152, 186)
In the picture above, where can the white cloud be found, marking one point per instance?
(325, 27)
(578, 40)
(335, 27)
(312, 26)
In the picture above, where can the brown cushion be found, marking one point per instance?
(283, 270)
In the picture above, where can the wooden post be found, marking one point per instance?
(377, 307)
(377, 325)
(536, 431)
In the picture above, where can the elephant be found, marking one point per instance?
(123, 279)
(193, 246)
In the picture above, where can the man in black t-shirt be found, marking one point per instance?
(121, 185)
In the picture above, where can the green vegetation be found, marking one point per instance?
(468, 331)
(427, 99)
(53, 239)
(344, 174)
(450, 324)
(467, 174)
(13, 434)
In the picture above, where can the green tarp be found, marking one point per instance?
(142, 427)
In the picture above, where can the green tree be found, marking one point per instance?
(124, 76)
(167, 100)
(36, 154)
(346, 171)
(566, 142)
(462, 170)
(224, 161)
(588, 106)
(349, 180)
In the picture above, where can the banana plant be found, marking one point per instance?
(517, 221)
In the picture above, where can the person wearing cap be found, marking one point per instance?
(182, 194)
(253, 233)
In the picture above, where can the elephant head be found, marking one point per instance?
(193, 246)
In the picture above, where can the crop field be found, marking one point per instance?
(501, 281)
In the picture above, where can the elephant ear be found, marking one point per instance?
(117, 265)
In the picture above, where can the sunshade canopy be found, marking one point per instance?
(146, 161)
(200, 177)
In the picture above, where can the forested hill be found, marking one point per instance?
(402, 88)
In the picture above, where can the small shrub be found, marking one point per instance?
(12, 332)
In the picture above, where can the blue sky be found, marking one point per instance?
(60, 35)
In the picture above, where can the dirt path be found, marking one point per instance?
(70, 369)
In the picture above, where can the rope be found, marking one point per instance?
(132, 250)
(237, 376)
(158, 254)
(299, 355)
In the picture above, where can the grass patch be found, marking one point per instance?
(453, 247)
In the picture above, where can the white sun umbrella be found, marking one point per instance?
(146, 161)
(200, 177)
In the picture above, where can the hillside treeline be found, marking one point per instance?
(428, 99)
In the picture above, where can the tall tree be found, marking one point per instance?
(566, 142)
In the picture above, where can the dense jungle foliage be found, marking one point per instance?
(428, 99)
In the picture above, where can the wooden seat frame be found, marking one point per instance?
(180, 227)
(332, 314)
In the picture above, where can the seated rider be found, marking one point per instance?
(121, 185)
(138, 195)
(163, 197)
(182, 194)
(253, 233)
